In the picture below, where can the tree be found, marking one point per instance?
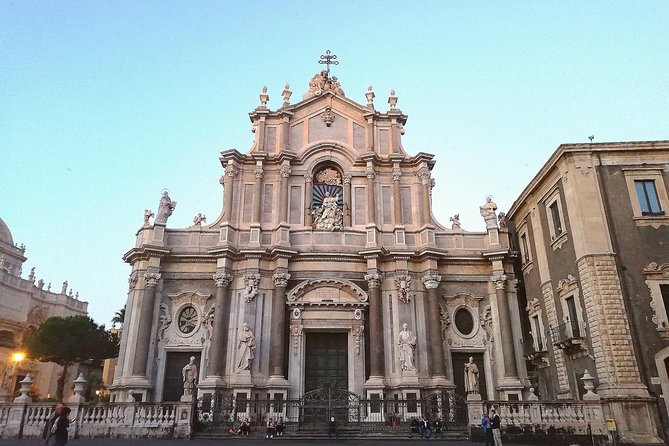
(119, 317)
(69, 340)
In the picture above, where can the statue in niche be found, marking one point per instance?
(246, 347)
(471, 376)
(329, 176)
(488, 213)
(406, 342)
(329, 216)
(165, 208)
(250, 287)
(189, 374)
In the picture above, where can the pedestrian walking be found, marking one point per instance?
(496, 425)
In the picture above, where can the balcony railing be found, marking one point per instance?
(568, 335)
(534, 350)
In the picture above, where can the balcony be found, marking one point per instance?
(534, 351)
(568, 336)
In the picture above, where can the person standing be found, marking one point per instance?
(487, 430)
(59, 428)
(496, 425)
(46, 433)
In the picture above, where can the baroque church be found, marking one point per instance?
(326, 267)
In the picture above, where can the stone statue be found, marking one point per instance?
(322, 82)
(147, 214)
(64, 289)
(406, 342)
(189, 374)
(329, 216)
(471, 376)
(31, 276)
(488, 213)
(199, 219)
(456, 221)
(502, 220)
(246, 347)
(165, 208)
(403, 283)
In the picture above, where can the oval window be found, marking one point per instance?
(464, 321)
(187, 320)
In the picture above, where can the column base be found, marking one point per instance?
(635, 420)
(211, 384)
(278, 382)
(242, 379)
(375, 382)
(441, 381)
(511, 389)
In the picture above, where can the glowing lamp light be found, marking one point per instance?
(18, 356)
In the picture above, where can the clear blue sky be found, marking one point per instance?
(103, 104)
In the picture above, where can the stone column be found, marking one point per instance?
(218, 345)
(397, 198)
(347, 200)
(375, 326)
(510, 368)
(308, 192)
(371, 207)
(230, 172)
(283, 206)
(257, 193)
(276, 354)
(424, 176)
(145, 324)
(436, 359)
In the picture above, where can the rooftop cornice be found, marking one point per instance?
(144, 252)
(564, 150)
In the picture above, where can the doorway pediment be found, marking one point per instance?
(327, 292)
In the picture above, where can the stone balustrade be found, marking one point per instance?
(115, 420)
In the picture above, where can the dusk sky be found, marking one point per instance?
(105, 104)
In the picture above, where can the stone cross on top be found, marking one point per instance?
(327, 59)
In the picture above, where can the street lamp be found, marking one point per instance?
(97, 394)
(17, 357)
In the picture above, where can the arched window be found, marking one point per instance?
(327, 200)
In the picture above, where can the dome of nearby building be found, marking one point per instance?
(5, 234)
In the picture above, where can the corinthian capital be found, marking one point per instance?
(499, 279)
(424, 176)
(222, 279)
(151, 279)
(373, 280)
(285, 171)
(230, 170)
(431, 281)
(259, 172)
(281, 279)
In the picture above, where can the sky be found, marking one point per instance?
(103, 104)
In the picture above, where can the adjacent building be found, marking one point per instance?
(592, 233)
(24, 305)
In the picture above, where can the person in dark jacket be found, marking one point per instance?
(487, 430)
(332, 429)
(59, 428)
(49, 424)
(496, 426)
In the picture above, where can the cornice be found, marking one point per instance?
(145, 252)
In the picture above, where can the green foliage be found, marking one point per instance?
(119, 317)
(66, 340)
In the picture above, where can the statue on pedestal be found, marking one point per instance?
(165, 208)
(246, 347)
(471, 376)
(488, 213)
(406, 342)
(189, 374)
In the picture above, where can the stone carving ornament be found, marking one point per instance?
(147, 215)
(281, 279)
(189, 375)
(165, 320)
(222, 280)
(329, 176)
(322, 82)
(471, 376)
(358, 333)
(250, 286)
(329, 215)
(403, 283)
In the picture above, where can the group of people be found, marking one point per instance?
(55, 429)
(491, 424)
(273, 427)
(426, 428)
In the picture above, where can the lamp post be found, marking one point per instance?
(97, 396)
(17, 357)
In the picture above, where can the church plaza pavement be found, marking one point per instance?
(239, 442)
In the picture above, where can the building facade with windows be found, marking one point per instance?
(326, 267)
(24, 304)
(592, 233)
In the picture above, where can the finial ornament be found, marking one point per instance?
(264, 97)
(328, 59)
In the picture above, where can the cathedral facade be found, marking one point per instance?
(326, 267)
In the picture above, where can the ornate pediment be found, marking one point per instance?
(327, 292)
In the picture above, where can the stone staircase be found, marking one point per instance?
(343, 434)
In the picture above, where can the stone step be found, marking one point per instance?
(316, 435)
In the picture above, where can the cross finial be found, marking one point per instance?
(328, 60)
